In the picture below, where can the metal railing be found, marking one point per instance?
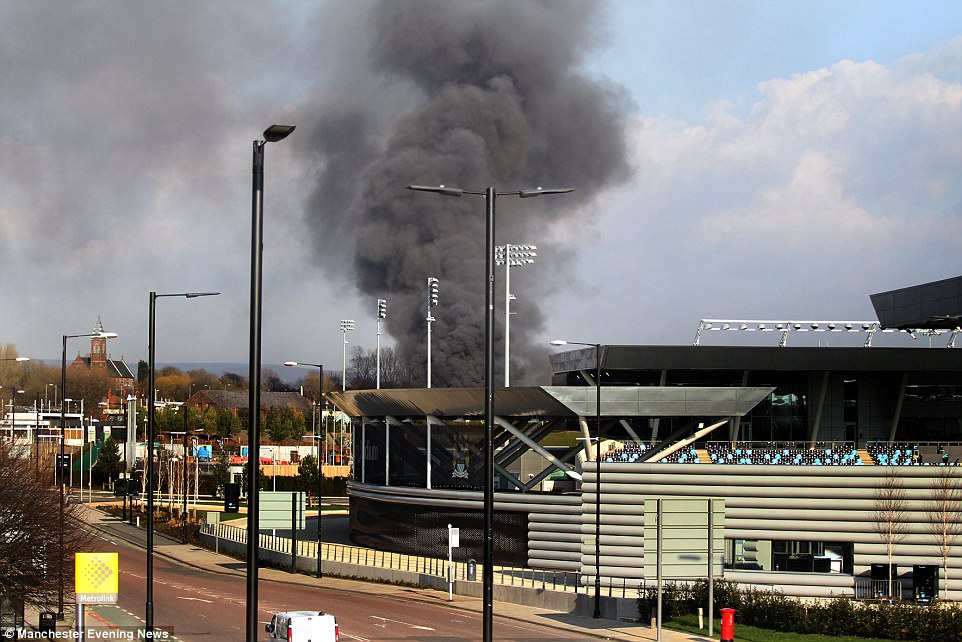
(878, 589)
(541, 579)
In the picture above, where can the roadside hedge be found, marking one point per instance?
(837, 616)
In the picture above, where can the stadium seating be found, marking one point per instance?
(801, 454)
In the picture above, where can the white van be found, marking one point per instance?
(303, 626)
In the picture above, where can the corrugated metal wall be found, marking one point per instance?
(819, 503)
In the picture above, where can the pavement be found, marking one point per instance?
(207, 560)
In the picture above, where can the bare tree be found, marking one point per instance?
(362, 370)
(31, 558)
(945, 510)
(888, 518)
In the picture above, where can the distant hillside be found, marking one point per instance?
(287, 375)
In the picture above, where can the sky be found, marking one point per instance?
(730, 160)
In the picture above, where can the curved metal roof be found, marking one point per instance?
(553, 401)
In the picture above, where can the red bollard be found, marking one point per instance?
(728, 625)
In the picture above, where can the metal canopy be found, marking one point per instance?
(553, 401)
(935, 305)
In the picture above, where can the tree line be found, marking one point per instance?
(26, 384)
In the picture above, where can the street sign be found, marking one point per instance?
(685, 536)
(96, 578)
(275, 509)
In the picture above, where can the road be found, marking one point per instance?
(195, 604)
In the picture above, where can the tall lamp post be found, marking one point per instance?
(99, 333)
(320, 470)
(346, 326)
(490, 196)
(184, 473)
(13, 417)
(597, 347)
(15, 391)
(272, 134)
(151, 399)
(511, 256)
(46, 401)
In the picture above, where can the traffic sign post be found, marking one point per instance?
(454, 541)
(96, 581)
(685, 540)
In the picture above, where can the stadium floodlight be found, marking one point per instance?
(870, 328)
(347, 325)
(511, 256)
(432, 292)
(432, 303)
(381, 314)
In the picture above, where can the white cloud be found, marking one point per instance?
(837, 183)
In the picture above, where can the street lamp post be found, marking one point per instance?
(597, 347)
(126, 484)
(58, 471)
(46, 401)
(320, 469)
(184, 476)
(15, 391)
(490, 196)
(36, 439)
(511, 256)
(151, 399)
(346, 325)
(13, 418)
(272, 134)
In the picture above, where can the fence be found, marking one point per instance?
(509, 576)
(878, 590)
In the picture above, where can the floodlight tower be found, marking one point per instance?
(381, 314)
(346, 325)
(432, 303)
(511, 256)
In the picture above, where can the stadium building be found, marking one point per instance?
(829, 462)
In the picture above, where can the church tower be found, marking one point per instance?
(98, 347)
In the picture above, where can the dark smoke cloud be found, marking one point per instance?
(491, 95)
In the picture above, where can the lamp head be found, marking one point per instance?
(440, 189)
(275, 133)
(290, 363)
(531, 193)
(559, 342)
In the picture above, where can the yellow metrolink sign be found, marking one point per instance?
(96, 578)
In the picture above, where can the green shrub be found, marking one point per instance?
(840, 616)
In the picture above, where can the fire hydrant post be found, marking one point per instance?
(727, 625)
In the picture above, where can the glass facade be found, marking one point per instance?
(794, 556)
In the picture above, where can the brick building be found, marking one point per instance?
(120, 379)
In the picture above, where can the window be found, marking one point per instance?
(794, 556)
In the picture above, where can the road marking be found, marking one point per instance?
(407, 624)
(195, 599)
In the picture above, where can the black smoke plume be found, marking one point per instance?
(467, 94)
